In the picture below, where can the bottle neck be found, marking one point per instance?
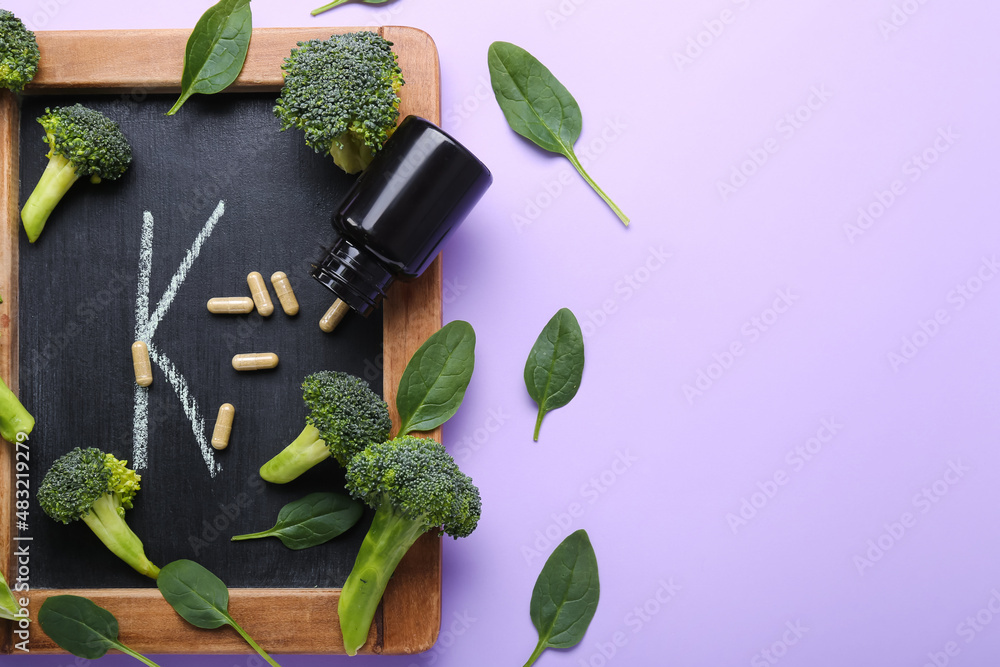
(355, 276)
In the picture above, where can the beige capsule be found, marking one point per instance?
(223, 426)
(286, 296)
(230, 305)
(333, 316)
(140, 364)
(258, 290)
(255, 361)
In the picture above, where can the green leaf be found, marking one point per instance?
(216, 50)
(565, 596)
(201, 599)
(79, 626)
(538, 107)
(337, 3)
(196, 594)
(554, 368)
(436, 377)
(313, 520)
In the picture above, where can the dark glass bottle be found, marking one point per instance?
(399, 213)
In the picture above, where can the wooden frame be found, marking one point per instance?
(280, 620)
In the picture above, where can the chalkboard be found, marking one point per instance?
(78, 298)
(219, 190)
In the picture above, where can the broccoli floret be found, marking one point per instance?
(14, 418)
(18, 53)
(96, 487)
(345, 416)
(414, 486)
(342, 92)
(82, 142)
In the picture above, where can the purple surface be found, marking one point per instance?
(867, 482)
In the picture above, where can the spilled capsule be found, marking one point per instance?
(258, 290)
(140, 364)
(255, 361)
(230, 305)
(286, 297)
(223, 426)
(333, 316)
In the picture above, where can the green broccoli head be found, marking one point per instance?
(91, 141)
(345, 416)
(78, 479)
(347, 413)
(18, 53)
(343, 93)
(414, 486)
(82, 142)
(97, 488)
(420, 481)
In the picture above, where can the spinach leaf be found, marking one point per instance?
(79, 626)
(201, 599)
(313, 520)
(565, 596)
(216, 50)
(337, 3)
(554, 368)
(436, 377)
(538, 107)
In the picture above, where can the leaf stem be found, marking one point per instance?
(179, 103)
(252, 536)
(538, 651)
(538, 421)
(327, 7)
(571, 156)
(141, 658)
(249, 640)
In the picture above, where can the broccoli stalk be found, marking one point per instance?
(58, 177)
(345, 416)
(96, 487)
(414, 486)
(350, 151)
(106, 518)
(343, 93)
(306, 451)
(19, 53)
(9, 607)
(391, 535)
(14, 418)
(82, 142)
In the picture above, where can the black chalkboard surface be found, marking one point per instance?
(77, 316)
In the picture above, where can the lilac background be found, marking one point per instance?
(661, 136)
